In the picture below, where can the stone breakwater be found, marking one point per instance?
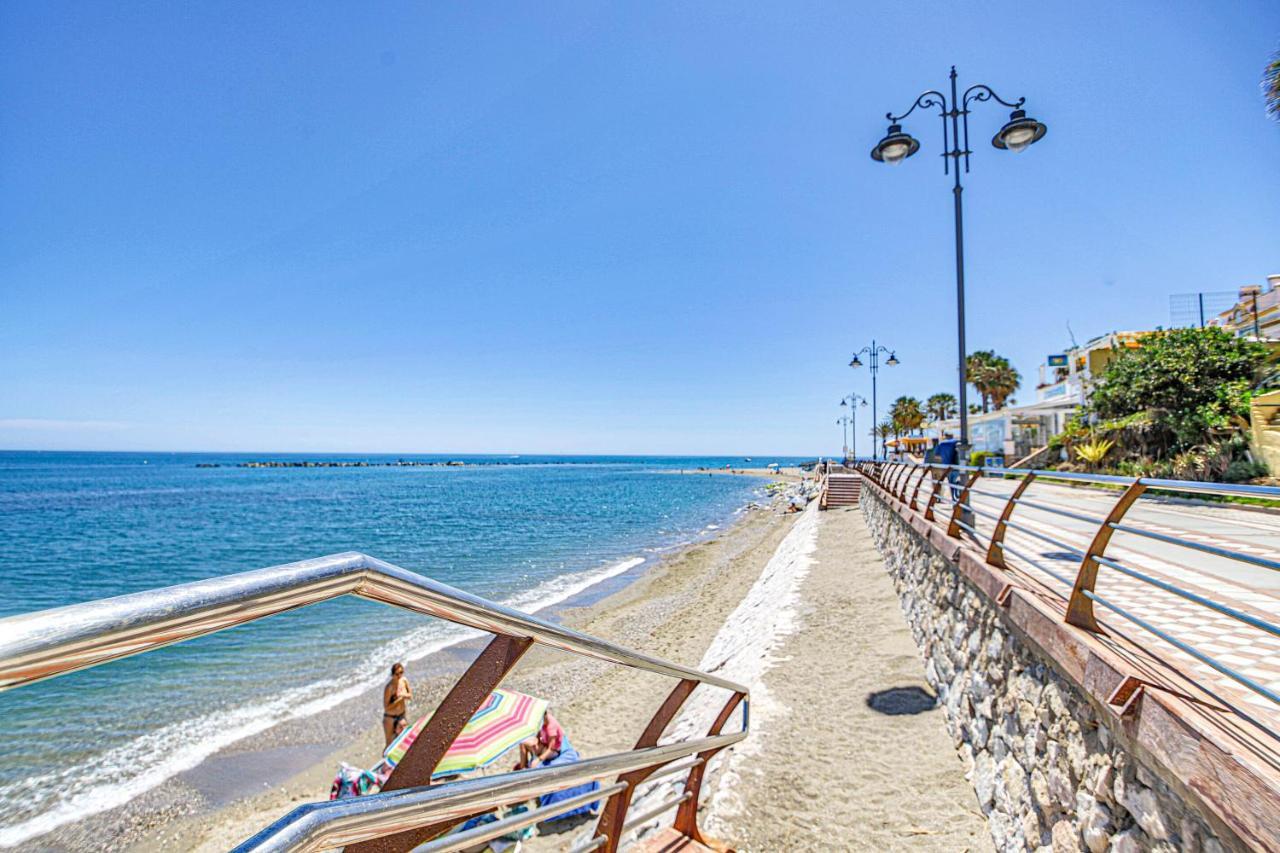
(1049, 773)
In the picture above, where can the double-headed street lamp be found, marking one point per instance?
(852, 403)
(1016, 135)
(843, 421)
(874, 351)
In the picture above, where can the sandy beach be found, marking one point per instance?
(765, 601)
(672, 610)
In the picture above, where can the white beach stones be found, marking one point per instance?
(1047, 774)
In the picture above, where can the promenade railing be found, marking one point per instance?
(945, 495)
(409, 810)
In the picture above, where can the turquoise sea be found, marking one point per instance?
(529, 530)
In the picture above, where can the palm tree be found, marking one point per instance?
(906, 415)
(978, 366)
(993, 377)
(1271, 86)
(1002, 382)
(941, 406)
(882, 431)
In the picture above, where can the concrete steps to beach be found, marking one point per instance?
(843, 490)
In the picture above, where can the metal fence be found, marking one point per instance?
(409, 810)
(946, 495)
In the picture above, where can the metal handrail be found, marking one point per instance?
(1083, 596)
(489, 831)
(54, 642)
(317, 826)
(47, 643)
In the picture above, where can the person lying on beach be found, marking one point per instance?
(395, 702)
(546, 747)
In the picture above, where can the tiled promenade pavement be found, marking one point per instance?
(1255, 590)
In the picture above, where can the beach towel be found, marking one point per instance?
(569, 755)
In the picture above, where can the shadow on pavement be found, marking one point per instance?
(897, 701)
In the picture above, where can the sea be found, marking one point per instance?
(527, 531)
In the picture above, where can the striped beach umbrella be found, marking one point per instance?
(498, 726)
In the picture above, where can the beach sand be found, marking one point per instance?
(798, 605)
(830, 772)
(671, 610)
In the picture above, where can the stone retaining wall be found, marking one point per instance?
(1048, 774)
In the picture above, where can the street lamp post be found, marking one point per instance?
(1017, 134)
(852, 402)
(843, 420)
(874, 351)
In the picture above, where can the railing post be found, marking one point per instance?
(939, 477)
(995, 554)
(900, 485)
(686, 822)
(953, 526)
(1080, 606)
(614, 814)
(925, 470)
(911, 501)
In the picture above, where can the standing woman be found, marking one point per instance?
(395, 701)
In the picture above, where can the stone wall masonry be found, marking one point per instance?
(1048, 772)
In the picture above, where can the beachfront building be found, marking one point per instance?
(1256, 313)
(1016, 432)
(1067, 376)
(1012, 433)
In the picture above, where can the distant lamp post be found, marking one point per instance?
(843, 421)
(892, 361)
(852, 402)
(1018, 133)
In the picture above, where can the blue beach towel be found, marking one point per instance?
(569, 755)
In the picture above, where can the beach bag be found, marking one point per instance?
(352, 782)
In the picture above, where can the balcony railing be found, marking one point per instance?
(409, 810)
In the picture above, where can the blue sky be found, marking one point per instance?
(587, 227)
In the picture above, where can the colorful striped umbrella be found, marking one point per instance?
(497, 726)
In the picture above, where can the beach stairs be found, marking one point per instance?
(841, 490)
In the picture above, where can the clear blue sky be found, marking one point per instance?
(587, 227)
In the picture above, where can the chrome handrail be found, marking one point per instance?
(47, 643)
(317, 826)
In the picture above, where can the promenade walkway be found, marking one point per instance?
(827, 770)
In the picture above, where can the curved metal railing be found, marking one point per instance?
(409, 810)
(935, 489)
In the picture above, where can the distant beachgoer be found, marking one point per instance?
(546, 747)
(395, 702)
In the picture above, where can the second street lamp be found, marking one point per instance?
(874, 352)
(897, 145)
(852, 402)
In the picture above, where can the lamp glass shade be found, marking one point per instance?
(893, 359)
(855, 362)
(895, 147)
(1018, 133)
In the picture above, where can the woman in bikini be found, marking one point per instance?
(395, 702)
